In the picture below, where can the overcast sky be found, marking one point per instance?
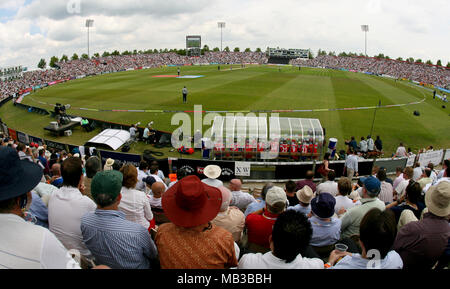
(34, 29)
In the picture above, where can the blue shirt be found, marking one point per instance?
(39, 210)
(391, 261)
(255, 206)
(117, 242)
(301, 209)
(325, 233)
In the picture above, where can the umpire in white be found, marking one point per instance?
(185, 93)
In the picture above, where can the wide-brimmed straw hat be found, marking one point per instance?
(212, 171)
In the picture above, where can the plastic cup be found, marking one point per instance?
(341, 247)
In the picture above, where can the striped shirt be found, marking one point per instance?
(116, 242)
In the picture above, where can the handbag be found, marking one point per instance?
(321, 170)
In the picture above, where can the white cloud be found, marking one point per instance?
(397, 28)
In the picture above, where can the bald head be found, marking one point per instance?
(235, 185)
(56, 169)
(226, 198)
(158, 189)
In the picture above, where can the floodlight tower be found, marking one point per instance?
(89, 24)
(221, 26)
(365, 29)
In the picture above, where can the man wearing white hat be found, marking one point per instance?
(212, 172)
(421, 244)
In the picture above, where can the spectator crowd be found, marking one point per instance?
(68, 210)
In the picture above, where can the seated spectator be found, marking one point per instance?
(417, 172)
(24, 152)
(142, 173)
(425, 179)
(93, 166)
(260, 202)
(433, 175)
(441, 173)
(239, 199)
(39, 210)
(377, 234)
(351, 220)
(326, 228)
(56, 179)
(307, 182)
(420, 244)
(191, 206)
(289, 240)
(113, 240)
(108, 165)
(330, 186)
(66, 207)
(153, 172)
(386, 193)
(259, 224)
(304, 196)
(134, 204)
(343, 202)
(408, 202)
(212, 172)
(291, 193)
(155, 165)
(398, 178)
(230, 218)
(158, 190)
(25, 245)
(400, 190)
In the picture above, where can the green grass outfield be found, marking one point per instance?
(252, 88)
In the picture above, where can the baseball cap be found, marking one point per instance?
(372, 185)
(107, 183)
(275, 195)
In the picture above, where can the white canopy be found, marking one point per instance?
(113, 138)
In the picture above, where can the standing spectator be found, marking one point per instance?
(326, 228)
(259, 224)
(401, 152)
(363, 146)
(377, 232)
(66, 207)
(370, 144)
(133, 132)
(260, 202)
(420, 244)
(351, 165)
(134, 204)
(212, 172)
(343, 202)
(352, 145)
(304, 196)
(309, 181)
(230, 218)
(114, 241)
(43, 160)
(379, 144)
(386, 193)
(330, 186)
(291, 193)
(191, 206)
(25, 245)
(352, 218)
(239, 199)
(289, 240)
(412, 201)
(93, 166)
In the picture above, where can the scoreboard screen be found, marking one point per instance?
(288, 53)
(193, 42)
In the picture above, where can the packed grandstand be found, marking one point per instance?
(423, 73)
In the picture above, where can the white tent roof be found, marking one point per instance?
(113, 138)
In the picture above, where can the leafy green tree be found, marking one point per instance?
(419, 60)
(84, 56)
(115, 53)
(429, 62)
(342, 54)
(248, 50)
(106, 54)
(42, 64)
(400, 59)
(410, 60)
(97, 55)
(227, 49)
(155, 50)
(258, 49)
(75, 56)
(236, 49)
(439, 63)
(206, 48)
(53, 61)
(64, 58)
(448, 64)
(216, 49)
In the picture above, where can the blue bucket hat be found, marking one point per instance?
(17, 177)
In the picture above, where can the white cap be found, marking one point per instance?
(275, 195)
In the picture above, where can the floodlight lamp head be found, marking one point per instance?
(221, 24)
(89, 23)
(365, 28)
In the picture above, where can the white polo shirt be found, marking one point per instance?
(330, 187)
(27, 246)
(269, 261)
